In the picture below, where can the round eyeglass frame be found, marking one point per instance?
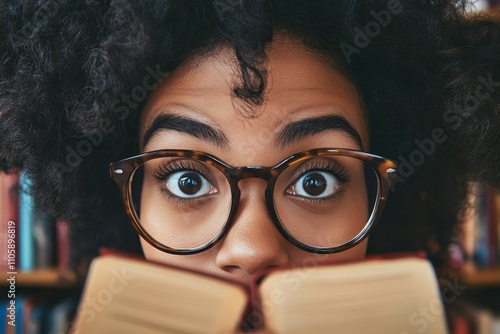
(122, 173)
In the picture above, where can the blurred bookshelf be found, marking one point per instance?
(477, 308)
(35, 272)
(473, 276)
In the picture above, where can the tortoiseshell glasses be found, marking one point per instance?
(323, 200)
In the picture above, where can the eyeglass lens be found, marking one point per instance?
(324, 201)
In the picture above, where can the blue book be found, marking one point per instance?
(3, 315)
(26, 217)
(19, 315)
(35, 306)
(61, 315)
(36, 319)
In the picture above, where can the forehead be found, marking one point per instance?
(299, 85)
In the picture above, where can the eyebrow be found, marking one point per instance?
(291, 133)
(186, 125)
(303, 128)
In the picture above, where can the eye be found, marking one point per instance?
(188, 184)
(315, 184)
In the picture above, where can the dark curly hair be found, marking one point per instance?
(72, 76)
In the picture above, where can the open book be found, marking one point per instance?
(394, 294)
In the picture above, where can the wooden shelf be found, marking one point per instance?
(42, 278)
(473, 276)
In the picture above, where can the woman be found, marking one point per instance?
(216, 86)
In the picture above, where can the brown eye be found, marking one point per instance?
(315, 184)
(188, 184)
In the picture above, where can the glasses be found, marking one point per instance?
(323, 200)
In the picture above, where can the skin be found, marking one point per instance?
(300, 85)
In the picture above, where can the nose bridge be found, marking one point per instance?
(248, 172)
(252, 243)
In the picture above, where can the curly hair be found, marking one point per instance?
(75, 73)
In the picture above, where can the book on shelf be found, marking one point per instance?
(63, 245)
(9, 224)
(493, 198)
(58, 319)
(26, 217)
(1, 209)
(30, 238)
(38, 312)
(379, 294)
(495, 222)
(44, 238)
(470, 317)
(482, 256)
(481, 227)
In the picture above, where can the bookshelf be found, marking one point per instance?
(44, 278)
(35, 253)
(477, 309)
(473, 276)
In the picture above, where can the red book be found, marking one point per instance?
(459, 321)
(9, 224)
(63, 245)
(493, 216)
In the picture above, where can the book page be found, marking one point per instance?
(130, 296)
(386, 296)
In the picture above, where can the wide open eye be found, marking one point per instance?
(188, 184)
(315, 184)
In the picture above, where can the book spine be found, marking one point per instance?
(2, 175)
(458, 321)
(26, 213)
(44, 235)
(63, 245)
(9, 221)
(481, 255)
(492, 225)
(26, 316)
(19, 315)
(3, 225)
(60, 316)
(470, 223)
(497, 216)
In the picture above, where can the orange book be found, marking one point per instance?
(392, 294)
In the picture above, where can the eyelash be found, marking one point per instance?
(324, 165)
(166, 169)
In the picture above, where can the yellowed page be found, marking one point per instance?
(128, 296)
(391, 296)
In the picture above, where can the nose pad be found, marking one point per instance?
(253, 243)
